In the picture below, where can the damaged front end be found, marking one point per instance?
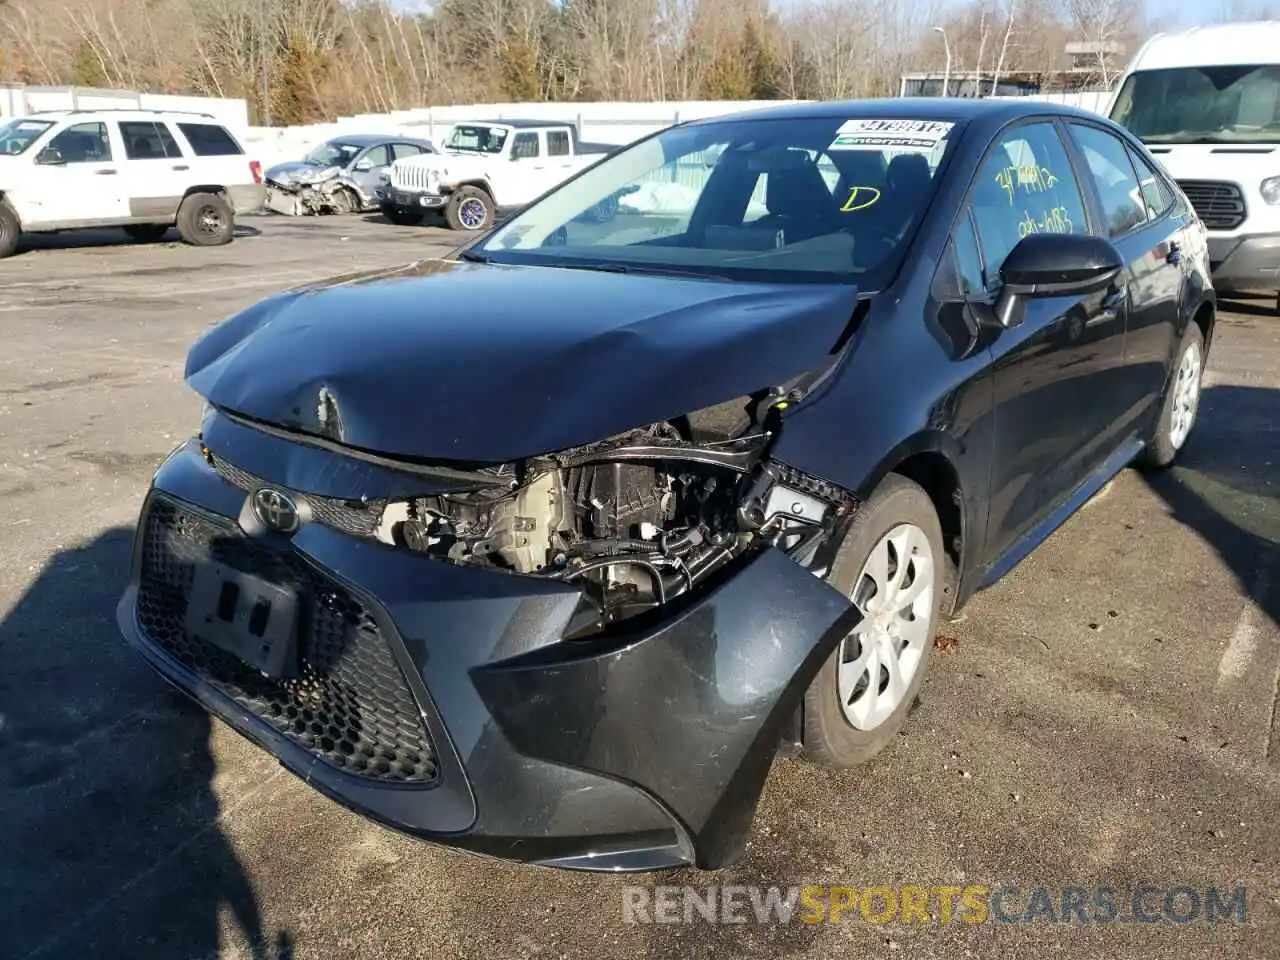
(307, 193)
(575, 642)
(637, 520)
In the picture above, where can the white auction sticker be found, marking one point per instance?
(881, 134)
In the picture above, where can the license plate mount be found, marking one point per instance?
(249, 617)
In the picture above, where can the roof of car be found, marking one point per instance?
(908, 108)
(369, 139)
(119, 113)
(519, 124)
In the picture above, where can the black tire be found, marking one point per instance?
(469, 208)
(345, 201)
(401, 216)
(829, 738)
(10, 230)
(146, 232)
(206, 220)
(1164, 445)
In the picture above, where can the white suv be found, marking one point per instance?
(143, 170)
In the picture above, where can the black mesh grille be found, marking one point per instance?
(349, 705)
(357, 517)
(1218, 203)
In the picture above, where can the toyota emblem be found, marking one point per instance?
(277, 511)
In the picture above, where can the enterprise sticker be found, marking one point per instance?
(886, 134)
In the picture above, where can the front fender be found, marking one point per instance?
(691, 713)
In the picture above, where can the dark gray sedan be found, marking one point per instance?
(339, 175)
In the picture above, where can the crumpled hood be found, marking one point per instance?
(284, 172)
(488, 364)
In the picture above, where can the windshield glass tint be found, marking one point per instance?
(332, 154)
(475, 137)
(1202, 104)
(17, 135)
(810, 199)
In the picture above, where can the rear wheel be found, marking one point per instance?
(469, 208)
(403, 216)
(10, 230)
(206, 220)
(1181, 402)
(146, 232)
(892, 565)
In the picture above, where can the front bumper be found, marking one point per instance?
(1245, 263)
(409, 199)
(441, 700)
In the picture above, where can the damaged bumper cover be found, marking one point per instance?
(449, 701)
(311, 197)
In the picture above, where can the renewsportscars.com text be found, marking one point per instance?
(1009, 904)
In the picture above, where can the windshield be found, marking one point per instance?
(17, 135)
(477, 138)
(335, 153)
(1237, 104)
(792, 200)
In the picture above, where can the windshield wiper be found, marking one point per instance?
(653, 270)
(473, 257)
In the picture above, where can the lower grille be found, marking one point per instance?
(1218, 203)
(349, 705)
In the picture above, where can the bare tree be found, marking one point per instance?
(1103, 24)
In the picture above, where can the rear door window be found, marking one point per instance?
(147, 140)
(210, 140)
(402, 150)
(557, 143)
(1123, 206)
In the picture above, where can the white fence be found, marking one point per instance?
(1097, 101)
(17, 99)
(613, 123)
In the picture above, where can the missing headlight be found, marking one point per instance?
(636, 521)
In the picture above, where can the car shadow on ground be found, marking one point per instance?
(107, 237)
(1226, 482)
(109, 826)
(1259, 305)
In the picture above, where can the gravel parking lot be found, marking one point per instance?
(1105, 717)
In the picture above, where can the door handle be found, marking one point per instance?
(181, 166)
(1174, 256)
(1112, 304)
(105, 173)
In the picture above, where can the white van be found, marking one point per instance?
(1207, 104)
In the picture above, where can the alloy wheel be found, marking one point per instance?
(895, 594)
(471, 213)
(209, 221)
(1186, 396)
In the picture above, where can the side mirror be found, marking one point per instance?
(1053, 265)
(364, 165)
(50, 157)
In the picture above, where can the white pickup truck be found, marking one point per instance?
(485, 169)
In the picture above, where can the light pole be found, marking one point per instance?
(946, 76)
(266, 60)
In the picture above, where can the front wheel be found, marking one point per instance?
(892, 566)
(1181, 402)
(206, 220)
(469, 208)
(345, 202)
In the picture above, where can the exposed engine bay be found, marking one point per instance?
(638, 519)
